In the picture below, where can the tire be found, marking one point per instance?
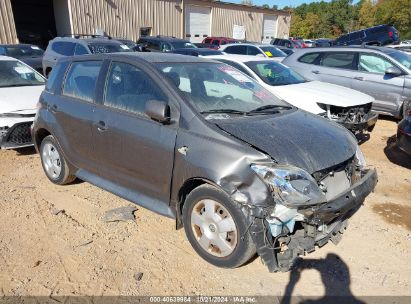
(203, 210)
(54, 165)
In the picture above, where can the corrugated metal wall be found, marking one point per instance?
(123, 18)
(225, 16)
(283, 26)
(7, 27)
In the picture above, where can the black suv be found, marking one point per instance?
(377, 35)
(197, 141)
(163, 43)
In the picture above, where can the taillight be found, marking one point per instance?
(303, 45)
(391, 34)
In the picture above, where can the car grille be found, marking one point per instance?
(21, 135)
(355, 114)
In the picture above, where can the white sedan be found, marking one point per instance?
(343, 105)
(20, 89)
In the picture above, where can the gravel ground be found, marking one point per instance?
(58, 240)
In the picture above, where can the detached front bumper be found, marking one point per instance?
(365, 125)
(321, 224)
(18, 136)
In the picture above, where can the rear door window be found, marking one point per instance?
(63, 48)
(81, 80)
(216, 42)
(128, 88)
(236, 49)
(253, 51)
(340, 60)
(309, 58)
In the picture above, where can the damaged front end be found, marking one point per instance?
(357, 119)
(310, 210)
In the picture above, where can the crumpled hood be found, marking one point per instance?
(297, 138)
(307, 95)
(19, 99)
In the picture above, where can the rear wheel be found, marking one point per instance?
(217, 228)
(53, 162)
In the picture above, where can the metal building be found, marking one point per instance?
(41, 20)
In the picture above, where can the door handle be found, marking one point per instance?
(359, 78)
(101, 126)
(315, 72)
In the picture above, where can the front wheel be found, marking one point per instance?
(217, 228)
(53, 162)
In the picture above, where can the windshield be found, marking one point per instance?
(402, 58)
(14, 74)
(24, 51)
(215, 87)
(275, 74)
(183, 45)
(271, 51)
(97, 48)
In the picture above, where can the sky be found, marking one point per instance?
(280, 3)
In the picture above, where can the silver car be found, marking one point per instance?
(383, 73)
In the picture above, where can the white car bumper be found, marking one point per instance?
(15, 132)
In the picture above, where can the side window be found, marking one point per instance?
(80, 50)
(309, 58)
(236, 49)
(155, 45)
(208, 40)
(56, 76)
(339, 60)
(128, 88)
(253, 51)
(63, 48)
(355, 35)
(223, 42)
(373, 64)
(165, 47)
(81, 80)
(2, 50)
(216, 42)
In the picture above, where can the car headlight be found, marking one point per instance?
(360, 158)
(292, 186)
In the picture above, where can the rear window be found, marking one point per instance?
(309, 58)
(339, 60)
(97, 48)
(81, 80)
(63, 48)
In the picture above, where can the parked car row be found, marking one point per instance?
(198, 141)
(242, 147)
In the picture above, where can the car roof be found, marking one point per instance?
(241, 58)
(87, 40)
(150, 57)
(367, 48)
(199, 50)
(7, 58)
(163, 38)
(17, 44)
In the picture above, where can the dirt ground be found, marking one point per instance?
(54, 241)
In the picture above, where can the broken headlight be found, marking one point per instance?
(359, 156)
(291, 186)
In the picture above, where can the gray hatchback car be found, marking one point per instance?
(383, 73)
(199, 142)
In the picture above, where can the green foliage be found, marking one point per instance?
(331, 19)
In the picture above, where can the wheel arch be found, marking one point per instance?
(188, 186)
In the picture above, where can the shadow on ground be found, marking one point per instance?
(335, 276)
(395, 154)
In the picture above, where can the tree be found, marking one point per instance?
(366, 14)
(396, 12)
(265, 6)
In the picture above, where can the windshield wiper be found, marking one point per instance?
(269, 109)
(228, 111)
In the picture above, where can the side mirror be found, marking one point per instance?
(158, 111)
(393, 71)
